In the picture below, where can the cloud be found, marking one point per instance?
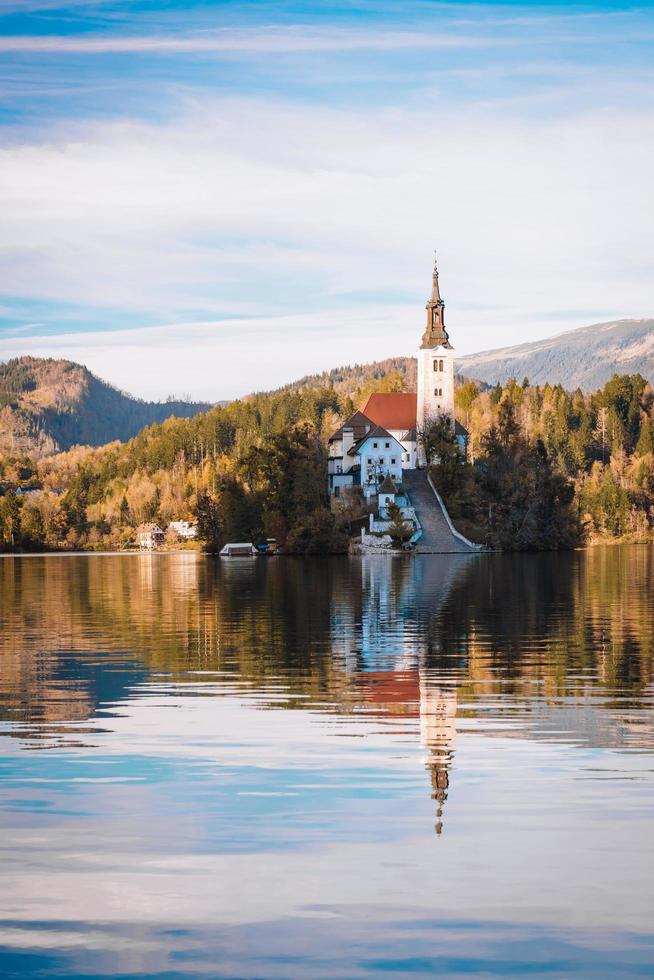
(239, 202)
(270, 40)
(287, 208)
(222, 359)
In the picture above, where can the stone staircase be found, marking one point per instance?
(437, 538)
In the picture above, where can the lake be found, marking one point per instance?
(416, 766)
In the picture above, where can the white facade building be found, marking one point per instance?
(380, 455)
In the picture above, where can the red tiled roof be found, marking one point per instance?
(392, 409)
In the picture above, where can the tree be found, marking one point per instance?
(399, 529)
(227, 515)
(9, 520)
(439, 442)
(529, 505)
(465, 397)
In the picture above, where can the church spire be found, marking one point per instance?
(435, 334)
(435, 292)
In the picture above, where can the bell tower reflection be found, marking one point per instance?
(386, 633)
(438, 704)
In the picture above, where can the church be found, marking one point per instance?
(382, 438)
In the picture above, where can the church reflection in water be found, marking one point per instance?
(561, 644)
(392, 641)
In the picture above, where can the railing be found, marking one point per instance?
(457, 534)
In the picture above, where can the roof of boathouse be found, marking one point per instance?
(392, 409)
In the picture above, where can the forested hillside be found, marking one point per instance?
(49, 405)
(255, 467)
(542, 463)
(602, 443)
(358, 380)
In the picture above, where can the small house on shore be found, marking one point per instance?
(149, 537)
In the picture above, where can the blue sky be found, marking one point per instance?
(214, 198)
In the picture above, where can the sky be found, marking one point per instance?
(205, 199)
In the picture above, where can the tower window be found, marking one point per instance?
(435, 365)
(438, 392)
(440, 365)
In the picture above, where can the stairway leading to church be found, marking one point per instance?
(437, 538)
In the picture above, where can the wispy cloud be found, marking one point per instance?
(170, 190)
(270, 40)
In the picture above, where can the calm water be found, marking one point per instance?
(347, 768)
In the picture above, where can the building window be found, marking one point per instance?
(440, 365)
(375, 445)
(435, 365)
(387, 445)
(393, 462)
(337, 491)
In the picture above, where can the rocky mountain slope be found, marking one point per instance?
(50, 405)
(585, 358)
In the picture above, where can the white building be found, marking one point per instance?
(379, 455)
(383, 436)
(149, 537)
(185, 530)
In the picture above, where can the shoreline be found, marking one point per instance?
(591, 545)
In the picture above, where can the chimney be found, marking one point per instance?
(348, 440)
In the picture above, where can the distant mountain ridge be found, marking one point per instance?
(585, 358)
(47, 405)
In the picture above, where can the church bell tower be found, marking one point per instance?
(435, 363)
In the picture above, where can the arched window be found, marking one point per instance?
(440, 365)
(436, 365)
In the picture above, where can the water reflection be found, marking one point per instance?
(277, 741)
(525, 635)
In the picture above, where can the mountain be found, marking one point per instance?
(585, 358)
(48, 405)
(51, 405)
